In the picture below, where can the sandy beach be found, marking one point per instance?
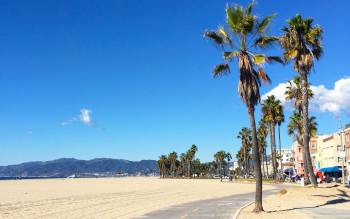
(106, 197)
(303, 203)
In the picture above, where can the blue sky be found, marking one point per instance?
(142, 71)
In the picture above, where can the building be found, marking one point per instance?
(298, 154)
(287, 158)
(326, 151)
(328, 154)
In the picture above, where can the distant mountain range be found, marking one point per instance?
(66, 167)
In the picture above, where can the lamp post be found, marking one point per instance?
(342, 155)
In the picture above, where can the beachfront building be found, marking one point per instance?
(325, 151)
(287, 158)
(298, 155)
(329, 148)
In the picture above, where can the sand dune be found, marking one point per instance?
(105, 198)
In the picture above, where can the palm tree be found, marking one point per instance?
(302, 43)
(228, 156)
(219, 159)
(162, 165)
(262, 135)
(243, 36)
(190, 155)
(295, 129)
(172, 159)
(279, 121)
(271, 107)
(294, 92)
(196, 166)
(183, 163)
(246, 139)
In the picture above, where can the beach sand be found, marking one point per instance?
(299, 202)
(106, 197)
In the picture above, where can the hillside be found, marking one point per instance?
(65, 167)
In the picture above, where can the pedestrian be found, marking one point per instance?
(349, 180)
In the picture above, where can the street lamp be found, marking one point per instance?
(342, 154)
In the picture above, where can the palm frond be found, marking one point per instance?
(221, 69)
(290, 54)
(249, 8)
(263, 76)
(259, 59)
(214, 37)
(233, 17)
(265, 41)
(274, 59)
(265, 22)
(230, 55)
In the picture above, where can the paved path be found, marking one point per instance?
(326, 213)
(220, 208)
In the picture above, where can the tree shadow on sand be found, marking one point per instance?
(343, 199)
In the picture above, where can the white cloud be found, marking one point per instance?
(333, 100)
(84, 117)
(278, 92)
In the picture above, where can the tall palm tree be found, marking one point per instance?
(190, 155)
(302, 43)
(279, 121)
(243, 35)
(183, 163)
(246, 140)
(196, 166)
(162, 165)
(294, 93)
(295, 129)
(270, 109)
(240, 156)
(228, 156)
(219, 158)
(172, 159)
(262, 135)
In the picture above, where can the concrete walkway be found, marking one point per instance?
(221, 208)
(326, 213)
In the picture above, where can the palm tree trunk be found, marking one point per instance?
(267, 166)
(306, 170)
(262, 160)
(280, 145)
(189, 169)
(220, 166)
(245, 163)
(273, 149)
(257, 165)
(305, 103)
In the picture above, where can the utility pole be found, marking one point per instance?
(342, 155)
(342, 152)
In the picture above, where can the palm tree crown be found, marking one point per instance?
(294, 92)
(272, 110)
(302, 42)
(243, 36)
(295, 127)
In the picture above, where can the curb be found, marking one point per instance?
(241, 208)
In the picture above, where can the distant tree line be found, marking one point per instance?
(187, 165)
